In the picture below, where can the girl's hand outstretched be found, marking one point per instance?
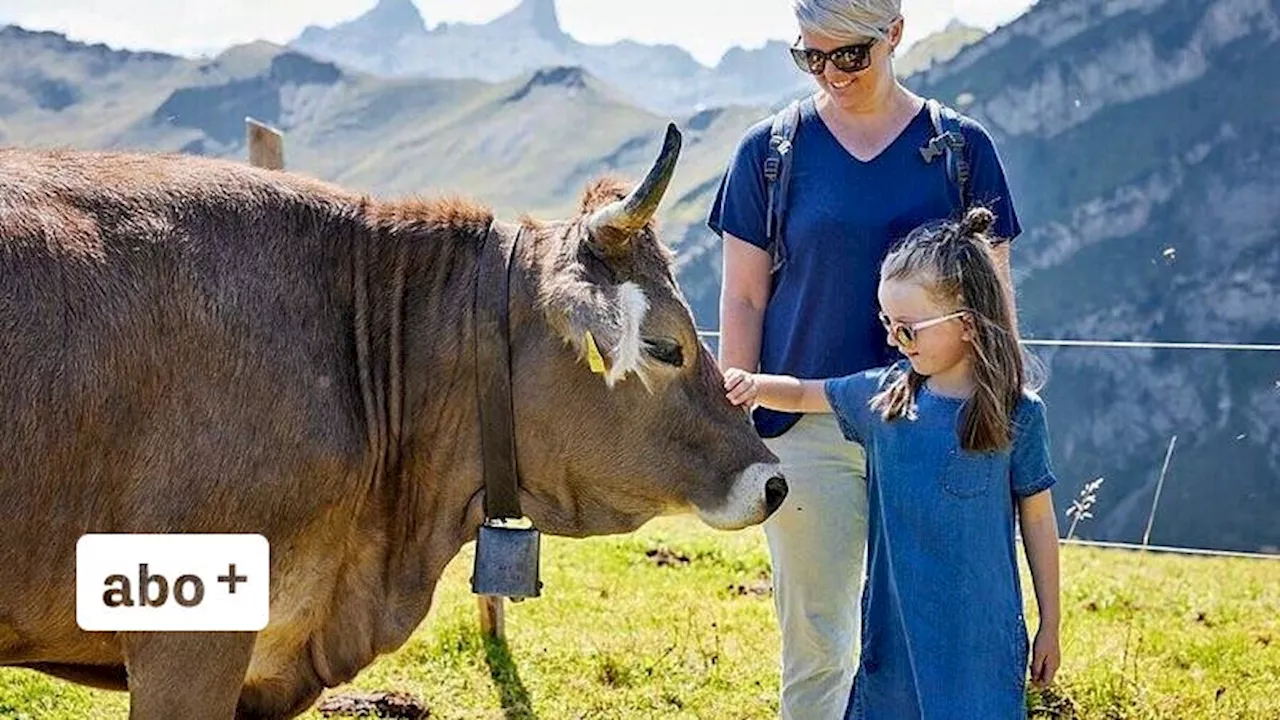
(740, 387)
(1045, 657)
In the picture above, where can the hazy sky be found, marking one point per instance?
(705, 28)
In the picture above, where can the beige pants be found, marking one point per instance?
(817, 543)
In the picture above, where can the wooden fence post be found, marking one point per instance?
(491, 617)
(266, 145)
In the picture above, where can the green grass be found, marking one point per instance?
(619, 635)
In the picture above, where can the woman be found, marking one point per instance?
(858, 182)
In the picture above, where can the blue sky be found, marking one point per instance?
(705, 28)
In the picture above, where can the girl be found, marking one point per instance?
(955, 443)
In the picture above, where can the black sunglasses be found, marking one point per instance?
(850, 58)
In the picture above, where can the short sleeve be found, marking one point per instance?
(988, 182)
(740, 204)
(850, 399)
(1031, 467)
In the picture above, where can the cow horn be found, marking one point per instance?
(632, 212)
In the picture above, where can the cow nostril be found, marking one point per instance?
(775, 491)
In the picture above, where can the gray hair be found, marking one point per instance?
(849, 20)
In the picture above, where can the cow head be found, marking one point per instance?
(620, 409)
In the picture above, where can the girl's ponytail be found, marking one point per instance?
(977, 221)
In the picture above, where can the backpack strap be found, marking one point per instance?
(777, 177)
(948, 142)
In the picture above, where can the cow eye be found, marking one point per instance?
(664, 351)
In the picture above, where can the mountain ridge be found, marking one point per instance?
(662, 78)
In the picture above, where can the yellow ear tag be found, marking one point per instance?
(594, 358)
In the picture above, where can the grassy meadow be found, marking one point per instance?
(676, 621)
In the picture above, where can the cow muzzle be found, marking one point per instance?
(756, 494)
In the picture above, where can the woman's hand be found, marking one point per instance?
(740, 387)
(1046, 656)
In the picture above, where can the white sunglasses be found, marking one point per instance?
(905, 333)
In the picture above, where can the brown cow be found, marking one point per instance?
(193, 345)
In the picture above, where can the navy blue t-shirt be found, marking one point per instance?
(843, 215)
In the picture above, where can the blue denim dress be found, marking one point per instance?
(943, 634)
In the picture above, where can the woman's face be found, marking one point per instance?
(852, 89)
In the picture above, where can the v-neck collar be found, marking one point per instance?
(826, 129)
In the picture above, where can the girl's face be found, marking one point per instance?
(940, 347)
(853, 88)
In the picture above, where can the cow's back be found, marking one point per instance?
(174, 355)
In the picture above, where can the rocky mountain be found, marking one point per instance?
(388, 25)
(392, 40)
(1143, 142)
(85, 87)
(937, 48)
(1141, 137)
(527, 144)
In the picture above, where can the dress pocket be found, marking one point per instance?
(971, 474)
(1020, 663)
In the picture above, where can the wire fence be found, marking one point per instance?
(1150, 345)
(1140, 344)
(1168, 549)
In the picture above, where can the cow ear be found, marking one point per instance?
(603, 324)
